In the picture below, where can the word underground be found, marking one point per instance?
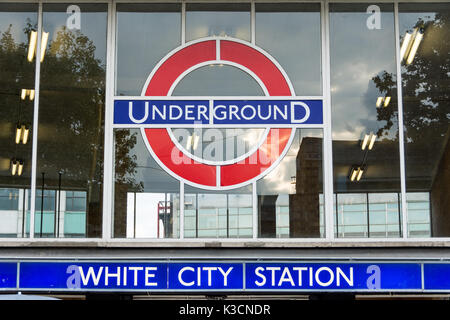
(217, 112)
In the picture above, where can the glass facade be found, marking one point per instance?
(365, 134)
(378, 166)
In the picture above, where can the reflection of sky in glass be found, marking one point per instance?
(143, 39)
(153, 177)
(93, 25)
(218, 80)
(201, 24)
(357, 55)
(278, 181)
(293, 39)
(17, 21)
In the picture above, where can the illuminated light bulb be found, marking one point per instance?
(32, 46)
(379, 101)
(26, 132)
(32, 94)
(405, 45)
(18, 133)
(365, 141)
(20, 168)
(44, 44)
(360, 173)
(386, 101)
(372, 141)
(415, 46)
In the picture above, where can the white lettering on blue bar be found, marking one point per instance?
(234, 276)
(223, 112)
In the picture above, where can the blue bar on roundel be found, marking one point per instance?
(161, 112)
(268, 112)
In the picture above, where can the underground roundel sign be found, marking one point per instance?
(279, 112)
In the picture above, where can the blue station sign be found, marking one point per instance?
(224, 276)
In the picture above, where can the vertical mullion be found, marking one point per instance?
(181, 224)
(255, 210)
(108, 166)
(327, 133)
(35, 121)
(252, 23)
(400, 125)
(368, 215)
(183, 22)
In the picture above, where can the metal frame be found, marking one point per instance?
(107, 216)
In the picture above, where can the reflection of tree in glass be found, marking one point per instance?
(16, 74)
(386, 84)
(125, 165)
(425, 85)
(71, 110)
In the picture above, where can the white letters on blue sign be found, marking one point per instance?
(200, 278)
(302, 105)
(236, 113)
(323, 276)
(130, 113)
(106, 276)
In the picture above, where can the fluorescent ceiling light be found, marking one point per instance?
(379, 101)
(44, 44)
(20, 168)
(405, 45)
(360, 173)
(189, 142)
(415, 46)
(32, 46)
(26, 132)
(13, 167)
(353, 174)
(365, 141)
(32, 94)
(18, 133)
(196, 138)
(372, 141)
(23, 94)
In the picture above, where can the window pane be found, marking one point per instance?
(289, 196)
(146, 198)
(291, 33)
(18, 25)
(219, 215)
(426, 112)
(71, 117)
(218, 80)
(364, 111)
(232, 20)
(384, 215)
(145, 34)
